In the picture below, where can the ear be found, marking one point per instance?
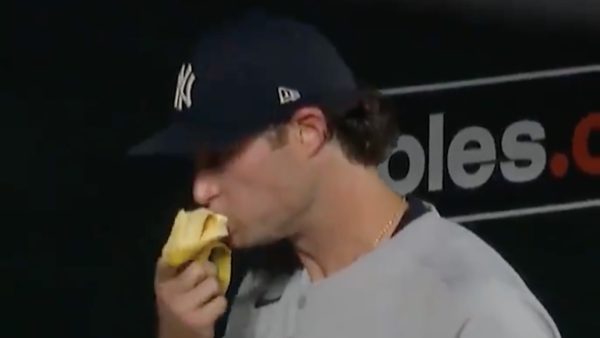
(309, 129)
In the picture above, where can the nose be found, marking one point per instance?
(206, 189)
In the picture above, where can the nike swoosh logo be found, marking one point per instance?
(262, 301)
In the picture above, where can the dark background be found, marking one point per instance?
(83, 81)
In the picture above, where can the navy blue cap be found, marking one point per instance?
(248, 75)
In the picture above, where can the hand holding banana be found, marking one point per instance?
(190, 298)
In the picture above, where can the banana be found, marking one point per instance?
(198, 235)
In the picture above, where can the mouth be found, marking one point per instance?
(227, 239)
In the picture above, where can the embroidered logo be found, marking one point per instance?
(287, 95)
(183, 93)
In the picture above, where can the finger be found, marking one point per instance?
(195, 273)
(211, 268)
(164, 271)
(202, 294)
(213, 310)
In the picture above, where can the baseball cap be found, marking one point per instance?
(247, 75)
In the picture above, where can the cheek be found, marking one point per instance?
(252, 188)
(250, 183)
(259, 192)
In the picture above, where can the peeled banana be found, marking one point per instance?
(198, 235)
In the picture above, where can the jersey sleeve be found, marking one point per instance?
(503, 312)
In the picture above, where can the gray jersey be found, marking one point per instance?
(434, 279)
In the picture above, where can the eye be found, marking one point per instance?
(210, 160)
(215, 160)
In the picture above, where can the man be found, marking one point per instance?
(286, 146)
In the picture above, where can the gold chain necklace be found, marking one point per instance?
(387, 226)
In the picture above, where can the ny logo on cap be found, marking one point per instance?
(183, 93)
(287, 95)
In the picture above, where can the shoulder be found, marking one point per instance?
(488, 294)
(496, 310)
(455, 254)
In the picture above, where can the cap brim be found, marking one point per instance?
(186, 139)
(182, 140)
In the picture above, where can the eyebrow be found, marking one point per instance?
(212, 159)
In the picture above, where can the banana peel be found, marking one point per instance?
(198, 235)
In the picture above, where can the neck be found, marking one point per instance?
(352, 210)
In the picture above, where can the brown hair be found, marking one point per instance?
(367, 131)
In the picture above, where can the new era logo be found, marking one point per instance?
(287, 95)
(183, 93)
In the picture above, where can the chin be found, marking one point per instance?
(235, 242)
(239, 242)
